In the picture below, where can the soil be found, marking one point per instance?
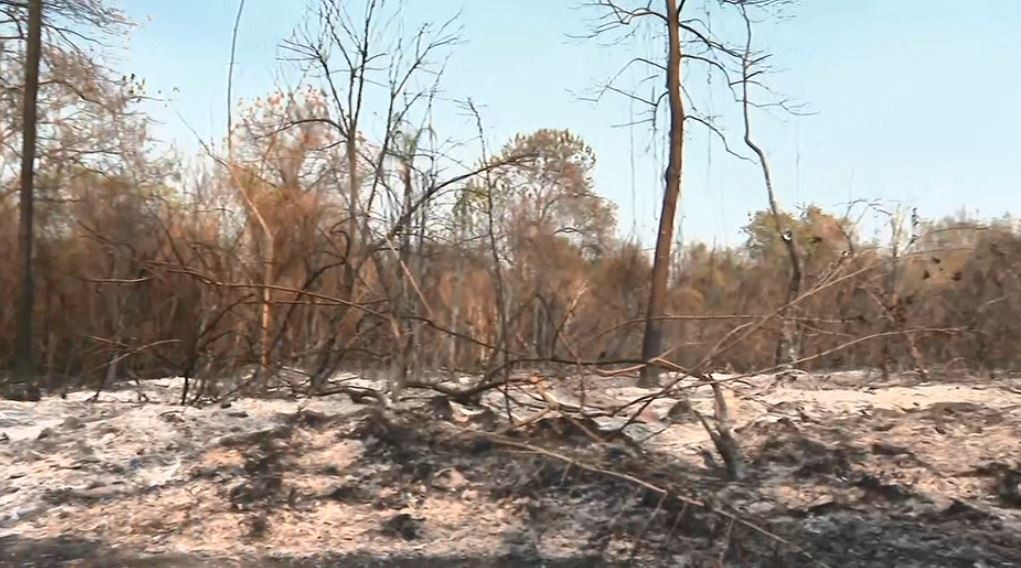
(843, 470)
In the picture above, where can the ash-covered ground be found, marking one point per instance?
(843, 470)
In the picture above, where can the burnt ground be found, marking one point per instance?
(93, 554)
(840, 474)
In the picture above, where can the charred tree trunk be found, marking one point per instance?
(24, 366)
(652, 344)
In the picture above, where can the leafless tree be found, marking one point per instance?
(688, 39)
(23, 363)
(266, 321)
(652, 343)
(57, 38)
(787, 344)
(352, 55)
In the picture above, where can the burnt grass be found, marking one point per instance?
(613, 521)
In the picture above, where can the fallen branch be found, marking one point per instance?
(664, 493)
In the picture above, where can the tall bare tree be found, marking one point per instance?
(267, 245)
(616, 15)
(787, 344)
(60, 69)
(688, 39)
(23, 364)
(652, 343)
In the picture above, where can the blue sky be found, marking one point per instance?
(914, 102)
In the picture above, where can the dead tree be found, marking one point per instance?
(652, 343)
(617, 16)
(239, 183)
(891, 304)
(688, 40)
(23, 364)
(787, 344)
(368, 51)
(52, 36)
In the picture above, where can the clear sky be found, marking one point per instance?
(913, 101)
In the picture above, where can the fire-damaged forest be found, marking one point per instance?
(342, 336)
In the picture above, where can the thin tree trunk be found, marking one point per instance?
(455, 311)
(265, 335)
(417, 269)
(890, 295)
(652, 344)
(24, 367)
(268, 243)
(893, 310)
(787, 344)
(353, 182)
(407, 349)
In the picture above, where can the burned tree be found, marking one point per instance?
(24, 367)
(55, 54)
(689, 39)
(370, 52)
(787, 345)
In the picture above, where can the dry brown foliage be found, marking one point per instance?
(145, 269)
(144, 279)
